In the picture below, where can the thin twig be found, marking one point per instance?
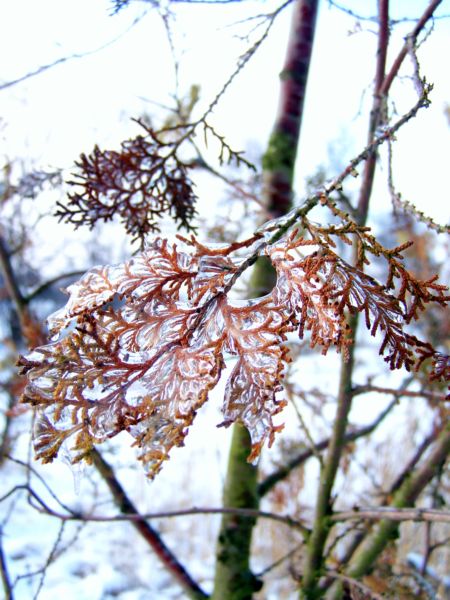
(49, 283)
(5, 433)
(271, 480)
(49, 560)
(429, 515)
(398, 203)
(312, 444)
(365, 389)
(30, 469)
(149, 534)
(278, 562)
(377, 116)
(6, 580)
(10, 282)
(167, 514)
(64, 59)
(427, 15)
(119, 4)
(354, 582)
(412, 463)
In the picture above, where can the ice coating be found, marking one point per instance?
(159, 265)
(145, 365)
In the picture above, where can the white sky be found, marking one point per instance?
(53, 117)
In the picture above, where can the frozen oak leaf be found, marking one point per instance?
(148, 338)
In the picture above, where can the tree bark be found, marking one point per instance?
(314, 564)
(233, 578)
(315, 549)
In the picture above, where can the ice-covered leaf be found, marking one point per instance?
(255, 333)
(175, 388)
(214, 273)
(160, 268)
(321, 289)
(149, 339)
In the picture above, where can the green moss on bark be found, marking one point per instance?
(234, 579)
(280, 155)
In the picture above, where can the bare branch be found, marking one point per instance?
(427, 15)
(366, 389)
(369, 593)
(30, 329)
(311, 444)
(43, 287)
(4, 435)
(376, 114)
(119, 4)
(281, 560)
(351, 13)
(6, 580)
(393, 514)
(413, 461)
(50, 559)
(31, 470)
(139, 518)
(271, 480)
(64, 59)
(406, 206)
(11, 284)
(150, 535)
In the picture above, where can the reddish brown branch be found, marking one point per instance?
(150, 535)
(382, 86)
(30, 330)
(386, 84)
(11, 285)
(376, 112)
(279, 159)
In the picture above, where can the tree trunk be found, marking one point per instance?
(233, 578)
(315, 550)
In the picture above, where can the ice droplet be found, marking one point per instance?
(77, 469)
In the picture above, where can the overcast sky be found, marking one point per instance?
(49, 119)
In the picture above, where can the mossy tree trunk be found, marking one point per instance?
(233, 578)
(321, 526)
(371, 548)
